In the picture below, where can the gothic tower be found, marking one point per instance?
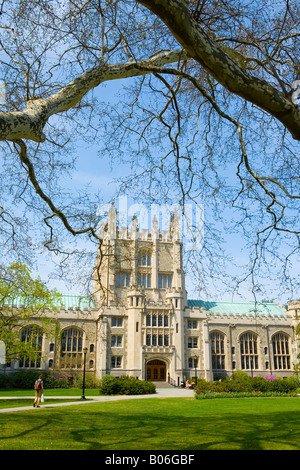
(139, 287)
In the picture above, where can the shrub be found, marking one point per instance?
(125, 385)
(261, 384)
(203, 386)
(205, 396)
(283, 385)
(24, 379)
(109, 385)
(241, 383)
(270, 377)
(149, 387)
(90, 381)
(51, 381)
(240, 376)
(237, 386)
(5, 381)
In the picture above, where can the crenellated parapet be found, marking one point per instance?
(294, 308)
(112, 231)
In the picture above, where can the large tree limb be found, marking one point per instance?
(176, 15)
(29, 124)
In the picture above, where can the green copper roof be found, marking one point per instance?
(241, 308)
(78, 301)
(237, 308)
(68, 301)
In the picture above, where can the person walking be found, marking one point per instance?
(39, 390)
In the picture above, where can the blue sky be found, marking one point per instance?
(100, 175)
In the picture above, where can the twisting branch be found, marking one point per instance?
(22, 151)
(227, 71)
(30, 123)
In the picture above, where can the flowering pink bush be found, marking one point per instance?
(270, 377)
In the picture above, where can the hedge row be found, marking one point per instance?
(205, 396)
(25, 380)
(241, 382)
(109, 385)
(125, 385)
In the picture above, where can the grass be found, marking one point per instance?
(54, 392)
(157, 424)
(16, 403)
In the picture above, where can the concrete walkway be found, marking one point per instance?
(161, 392)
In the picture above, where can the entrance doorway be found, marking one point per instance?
(156, 371)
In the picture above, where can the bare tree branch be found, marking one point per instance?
(176, 15)
(29, 124)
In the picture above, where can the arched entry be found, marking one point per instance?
(156, 370)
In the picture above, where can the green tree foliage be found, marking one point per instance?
(23, 304)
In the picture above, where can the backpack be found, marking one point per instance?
(37, 385)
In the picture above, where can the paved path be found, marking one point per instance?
(160, 393)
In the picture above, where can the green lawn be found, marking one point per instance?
(158, 424)
(28, 402)
(59, 392)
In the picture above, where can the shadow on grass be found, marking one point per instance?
(158, 425)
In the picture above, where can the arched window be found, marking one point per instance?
(71, 348)
(281, 351)
(34, 336)
(249, 351)
(217, 350)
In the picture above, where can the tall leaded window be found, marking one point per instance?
(281, 352)
(116, 341)
(144, 258)
(71, 349)
(193, 362)
(117, 322)
(192, 342)
(122, 279)
(116, 362)
(144, 268)
(164, 281)
(34, 336)
(217, 350)
(158, 332)
(249, 351)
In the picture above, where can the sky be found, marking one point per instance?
(99, 175)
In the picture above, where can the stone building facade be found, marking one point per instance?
(141, 323)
